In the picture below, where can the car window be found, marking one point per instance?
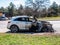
(28, 20)
(18, 19)
(22, 19)
(2, 17)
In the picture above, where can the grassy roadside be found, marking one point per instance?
(23, 39)
(50, 18)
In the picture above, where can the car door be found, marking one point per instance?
(27, 23)
(24, 23)
(20, 23)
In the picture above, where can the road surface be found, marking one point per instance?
(56, 26)
(3, 26)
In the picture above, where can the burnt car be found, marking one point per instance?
(19, 23)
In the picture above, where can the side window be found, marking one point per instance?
(27, 20)
(22, 19)
(18, 19)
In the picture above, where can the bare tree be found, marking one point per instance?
(28, 11)
(37, 5)
(11, 9)
(53, 10)
(20, 10)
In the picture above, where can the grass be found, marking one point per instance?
(23, 39)
(50, 18)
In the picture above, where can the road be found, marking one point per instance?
(3, 26)
(56, 26)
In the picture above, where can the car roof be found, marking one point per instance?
(23, 16)
(19, 16)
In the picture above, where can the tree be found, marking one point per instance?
(53, 9)
(2, 9)
(44, 13)
(28, 11)
(20, 10)
(37, 5)
(59, 10)
(11, 9)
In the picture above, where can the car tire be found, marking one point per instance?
(14, 28)
(45, 29)
(51, 29)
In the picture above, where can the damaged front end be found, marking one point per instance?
(47, 27)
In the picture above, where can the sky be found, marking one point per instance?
(5, 3)
(57, 1)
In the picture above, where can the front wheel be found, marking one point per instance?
(14, 29)
(44, 29)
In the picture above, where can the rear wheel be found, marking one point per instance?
(14, 29)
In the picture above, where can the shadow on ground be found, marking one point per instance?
(29, 32)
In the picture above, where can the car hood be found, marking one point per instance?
(43, 22)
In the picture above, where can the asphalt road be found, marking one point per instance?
(3, 26)
(56, 26)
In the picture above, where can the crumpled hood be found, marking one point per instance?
(43, 22)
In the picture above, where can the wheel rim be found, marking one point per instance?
(14, 29)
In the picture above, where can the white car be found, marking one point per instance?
(3, 18)
(18, 23)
